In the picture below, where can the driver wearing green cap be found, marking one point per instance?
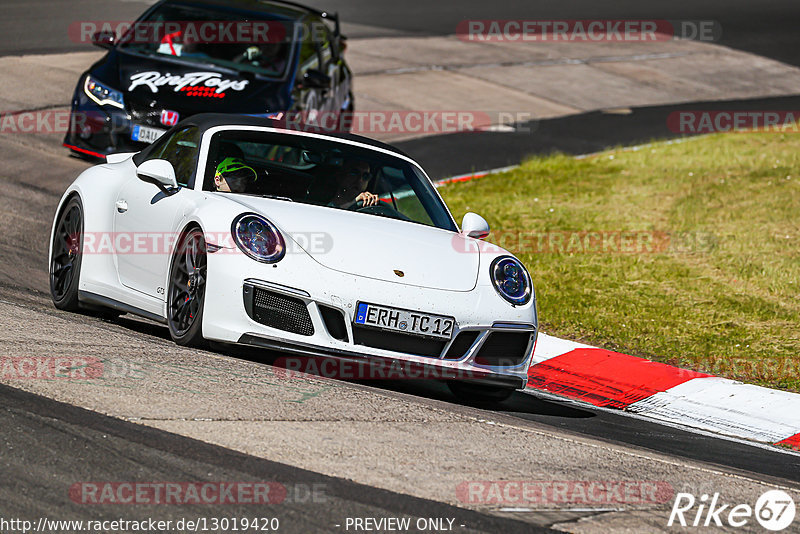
(233, 175)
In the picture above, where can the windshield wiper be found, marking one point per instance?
(271, 197)
(276, 197)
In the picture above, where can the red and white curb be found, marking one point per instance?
(664, 393)
(472, 176)
(656, 391)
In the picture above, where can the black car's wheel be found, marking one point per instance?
(65, 262)
(473, 393)
(187, 289)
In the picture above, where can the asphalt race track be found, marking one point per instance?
(766, 28)
(69, 439)
(374, 447)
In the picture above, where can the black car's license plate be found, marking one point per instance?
(145, 134)
(406, 321)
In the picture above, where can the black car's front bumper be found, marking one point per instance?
(97, 131)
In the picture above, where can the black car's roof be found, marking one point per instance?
(206, 121)
(288, 10)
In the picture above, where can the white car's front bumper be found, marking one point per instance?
(303, 284)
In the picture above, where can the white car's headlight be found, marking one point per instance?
(511, 280)
(258, 238)
(102, 94)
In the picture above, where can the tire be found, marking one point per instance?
(186, 293)
(472, 393)
(66, 260)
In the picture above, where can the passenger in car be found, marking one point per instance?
(234, 176)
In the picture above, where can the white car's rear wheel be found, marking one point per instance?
(187, 289)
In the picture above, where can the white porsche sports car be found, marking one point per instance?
(233, 230)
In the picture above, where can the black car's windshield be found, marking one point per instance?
(206, 36)
(323, 172)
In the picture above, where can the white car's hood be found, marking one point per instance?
(374, 247)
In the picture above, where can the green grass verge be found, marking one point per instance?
(714, 222)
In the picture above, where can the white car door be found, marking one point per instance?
(144, 221)
(146, 218)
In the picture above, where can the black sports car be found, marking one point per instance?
(181, 57)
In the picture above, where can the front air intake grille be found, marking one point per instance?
(142, 113)
(504, 349)
(397, 342)
(147, 112)
(461, 345)
(278, 311)
(334, 322)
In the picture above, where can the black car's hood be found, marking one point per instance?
(195, 88)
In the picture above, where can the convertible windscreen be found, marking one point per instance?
(210, 37)
(323, 172)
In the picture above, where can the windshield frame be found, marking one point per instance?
(205, 146)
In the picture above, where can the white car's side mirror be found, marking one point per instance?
(159, 172)
(475, 226)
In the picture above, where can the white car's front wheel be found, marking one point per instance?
(187, 289)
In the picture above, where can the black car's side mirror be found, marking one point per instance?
(105, 39)
(315, 79)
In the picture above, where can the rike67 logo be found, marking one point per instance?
(774, 510)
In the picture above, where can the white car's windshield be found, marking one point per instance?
(323, 172)
(206, 36)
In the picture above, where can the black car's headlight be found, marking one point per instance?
(511, 280)
(258, 238)
(102, 94)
